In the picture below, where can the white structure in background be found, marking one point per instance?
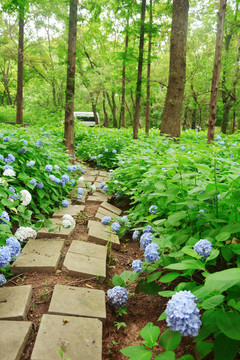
(86, 117)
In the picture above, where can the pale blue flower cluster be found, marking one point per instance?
(14, 247)
(31, 163)
(136, 235)
(10, 158)
(8, 167)
(4, 216)
(145, 240)
(153, 209)
(57, 180)
(105, 187)
(151, 253)
(106, 220)
(114, 151)
(1, 157)
(65, 178)
(51, 177)
(148, 229)
(65, 203)
(24, 141)
(5, 256)
(13, 191)
(2, 280)
(203, 247)
(137, 266)
(116, 226)
(56, 167)
(101, 185)
(40, 185)
(6, 139)
(49, 168)
(183, 314)
(123, 219)
(33, 182)
(39, 143)
(117, 297)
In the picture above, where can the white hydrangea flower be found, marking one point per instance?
(68, 220)
(93, 188)
(24, 233)
(3, 182)
(81, 178)
(26, 197)
(9, 172)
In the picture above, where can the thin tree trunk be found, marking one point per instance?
(139, 78)
(70, 88)
(216, 71)
(122, 113)
(171, 118)
(149, 72)
(114, 110)
(105, 115)
(19, 119)
(3, 97)
(234, 121)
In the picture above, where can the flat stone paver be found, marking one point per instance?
(111, 208)
(103, 212)
(102, 179)
(103, 173)
(13, 338)
(77, 301)
(103, 237)
(39, 256)
(92, 172)
(14, 302)
(59, 232)
(89, 179)
(72, 210)
(79, 338)
(86, 260)
(99, 226)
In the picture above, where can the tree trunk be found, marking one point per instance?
(216, 71)
(70, 88)
(122, 113)
(114, 110)
(105, 115)
(19, 119)
(171, 118)
(139, 78)
(149, 72)
(3, 97)
(226, 109)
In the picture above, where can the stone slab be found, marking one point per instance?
(73, 210)
(81, 183)
(39, 256)
(103, 212)
(14, 302)
(92, 172)
(95, 199)
(88, 249)
(111, 208)
(103, 173)
(84, 266)
(98, 225)
(103, 238)
(79, 338)
(101, 179)
(59, 232)
(89, 178)
(76, 301)
(13, 338)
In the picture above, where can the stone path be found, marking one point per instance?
(73, 324)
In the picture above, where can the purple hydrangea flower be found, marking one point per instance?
(6, 139)
(24, 141)
(105, 187)
(5, 256)
(137, 266)
(145, 240)
(114, 151)
(14, 247)
(183, 314)
(56, 167)
(65, 203)
(80, 191)
(123, 219)
(39, 143)
(101, 185)
(40, 185)
(72, 181)
(116, 226)
(1, 157)
(65, 178)
(57, 180)
(106, 220)
(8, 167)
(153, 209)
(51, 177)
(151, 253)
(203, 247)
(136, 235)
(10, 158)
(69, 168)
(117, 297)
(33, 182)
(23, 150)
(106, 150)
(31, 163)
(5, 217)
(83, 171)
(49, 168)
(148, 229)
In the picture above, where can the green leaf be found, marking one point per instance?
(231, 228)
(203, 348)
(185, 265)
(170, 340)
(229, 324)
(175, 218)
(150, 334)
(213, 302)
(137, 352)
(222, 280)
(166, 293)
(169, 277)
(167, 355)
(214, 253)
(223, 236)
(225, 348)
(126, 275)
(186, 357)
(117, 280)
(151, 288)
(154, 276)
(163, 316)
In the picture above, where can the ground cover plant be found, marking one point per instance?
(35, 180)
(185, 215)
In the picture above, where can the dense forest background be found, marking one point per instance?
(108, 40)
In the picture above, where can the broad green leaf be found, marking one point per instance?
(229, 324)
(150, 334)
(212, 302)
(163, 316)
(167, 355)
(166, 293)
(175, 218)
(154, 276)
(117, 280)
(225, 348)
(137, 352)
(169, 277)
(170, 340)
(223, 236)
(214, 253)
(126, 275)
(186, 357)
(185, 265)
(203, 348)
(222, 280)
(231, 228)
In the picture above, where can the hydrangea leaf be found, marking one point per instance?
(225, 348)
(170, 340)
(137, 352)
(186, 357)
(175, 218)
(163, 316)
(117, 280)
(213, 302)
(229, 324)
(169, 277)
(203, 348)
(168, 355)
(223, 236)
(150, 334)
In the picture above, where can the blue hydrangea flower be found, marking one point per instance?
(23, 150)
(78, 167)
(93, 157)
(39, 143)
(31, 163)
(106, 150)
(51, 177)
(5, 217)
(106, 220)
(24, 141)
(203, 247)
(153, 209)
(48, 153)
(100, 156)
(40, 185)
(72, 181)
(80, 191)
(65, 178)
(14, 247)
(33, 182)
(65, 203)
(123, 219)
(5, 256)
(137, 266)
(183, 314)
(1, 157)
(69, 168)
(114, 151)
(11, 189)
(49, 168)
(145, 240)
(148, 229)
(83, 171)
(57, 180)
(2, 280)
(6, 167)
(117, 297)
(74, 167)
(116, 226)
(10, 158)
(151, 253)
(136, 235)
(6, 139)
(115, 182)
(105, 187)
(56, 167)
(79, 196)
(121, 162)
(101, 185)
